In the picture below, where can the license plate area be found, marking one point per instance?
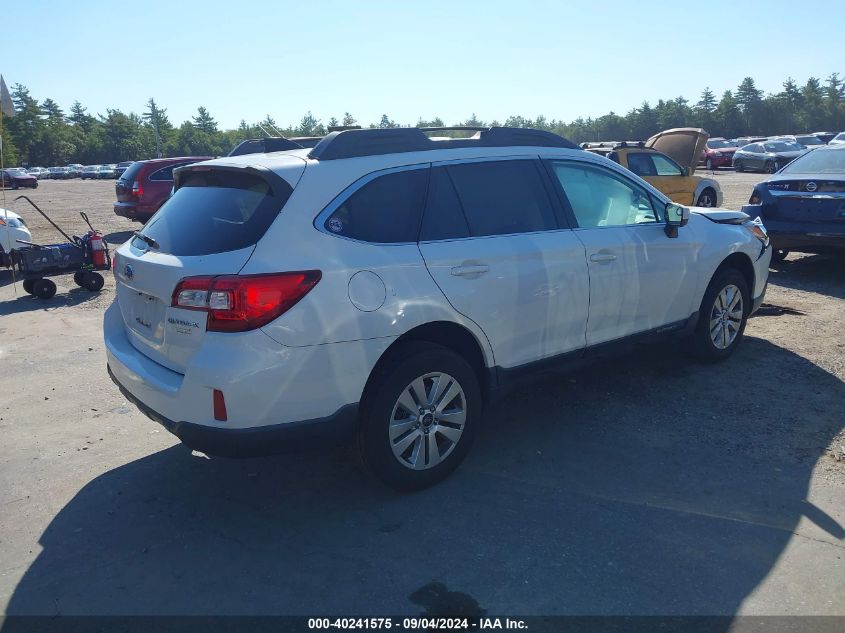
(145, 315)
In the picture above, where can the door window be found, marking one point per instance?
(386, 210)
(641, 164)
(444, 217)
(664, 166)
(600, 198)
(503, 197)
(165, 173)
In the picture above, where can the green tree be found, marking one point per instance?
(204, 122)
(26, 128)
(385, 122)
(348, 119)
(156, 118)
(310, 126)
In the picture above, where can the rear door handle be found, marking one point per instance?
(602, 258)
(470, 271)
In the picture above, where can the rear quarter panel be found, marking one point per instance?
(327, 314)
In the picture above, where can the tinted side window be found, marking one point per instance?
(664, 166)
(385, 210)
(443, 218)
(165, 173)
(503, 197)
(600, 198)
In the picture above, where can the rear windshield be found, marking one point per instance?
(818, 161)
(215, 212)
(131, 172)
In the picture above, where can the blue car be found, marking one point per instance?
(803, 204)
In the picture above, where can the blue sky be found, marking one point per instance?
(247, 59)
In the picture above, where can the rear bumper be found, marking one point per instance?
(804, 237)
(810, 241)
(133, 211)
(719, 161)
(276, 396)
(257, 441)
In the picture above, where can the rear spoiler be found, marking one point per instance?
(280, 186)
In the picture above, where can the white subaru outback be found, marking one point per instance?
(385, 284)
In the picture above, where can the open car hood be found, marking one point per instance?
(683, 145)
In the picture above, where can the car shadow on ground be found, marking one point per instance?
(643, 485)
(21, 301)
(117, 238)
(824, 274)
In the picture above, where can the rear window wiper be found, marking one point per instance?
(146, 239)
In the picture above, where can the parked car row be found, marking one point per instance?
(77, 171)
(762, 153)
(99, 172)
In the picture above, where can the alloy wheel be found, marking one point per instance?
(726, 317)
(427, 421)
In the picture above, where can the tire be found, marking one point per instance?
(395, 457)
(779, 254)
(14, 186)
(738, 167)
(771, 167)
(708, 164)
(44, 289)
(28, 285)
(707, 198)
(92, 281)
(714, 338)
(77, 278)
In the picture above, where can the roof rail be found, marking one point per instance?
(377, 141)
(264, 145)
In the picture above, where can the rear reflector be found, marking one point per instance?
(238, 303)
(219, 406)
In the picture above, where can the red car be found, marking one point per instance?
(17, 178)
(144, 187)
(717, 153)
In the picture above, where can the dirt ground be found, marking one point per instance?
(647, 484)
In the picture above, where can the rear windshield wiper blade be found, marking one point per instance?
(147, 239)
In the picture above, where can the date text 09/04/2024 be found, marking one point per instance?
(419, 623)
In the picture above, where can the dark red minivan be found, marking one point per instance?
(144, 187)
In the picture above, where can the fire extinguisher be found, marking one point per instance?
(98, 248)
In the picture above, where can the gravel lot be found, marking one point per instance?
(645, 485)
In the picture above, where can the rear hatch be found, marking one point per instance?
(209, 227)
(123, 186)
(808, 199)
(683, 145)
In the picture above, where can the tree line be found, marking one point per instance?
(41, 133)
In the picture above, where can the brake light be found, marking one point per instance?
(238, 303)
(137, 189)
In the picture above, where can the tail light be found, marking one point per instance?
(237, 303)
(137, 189)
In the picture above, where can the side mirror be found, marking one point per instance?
(676, 216)
(686, 171)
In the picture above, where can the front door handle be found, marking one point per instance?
(602, 258)
(470, 271)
